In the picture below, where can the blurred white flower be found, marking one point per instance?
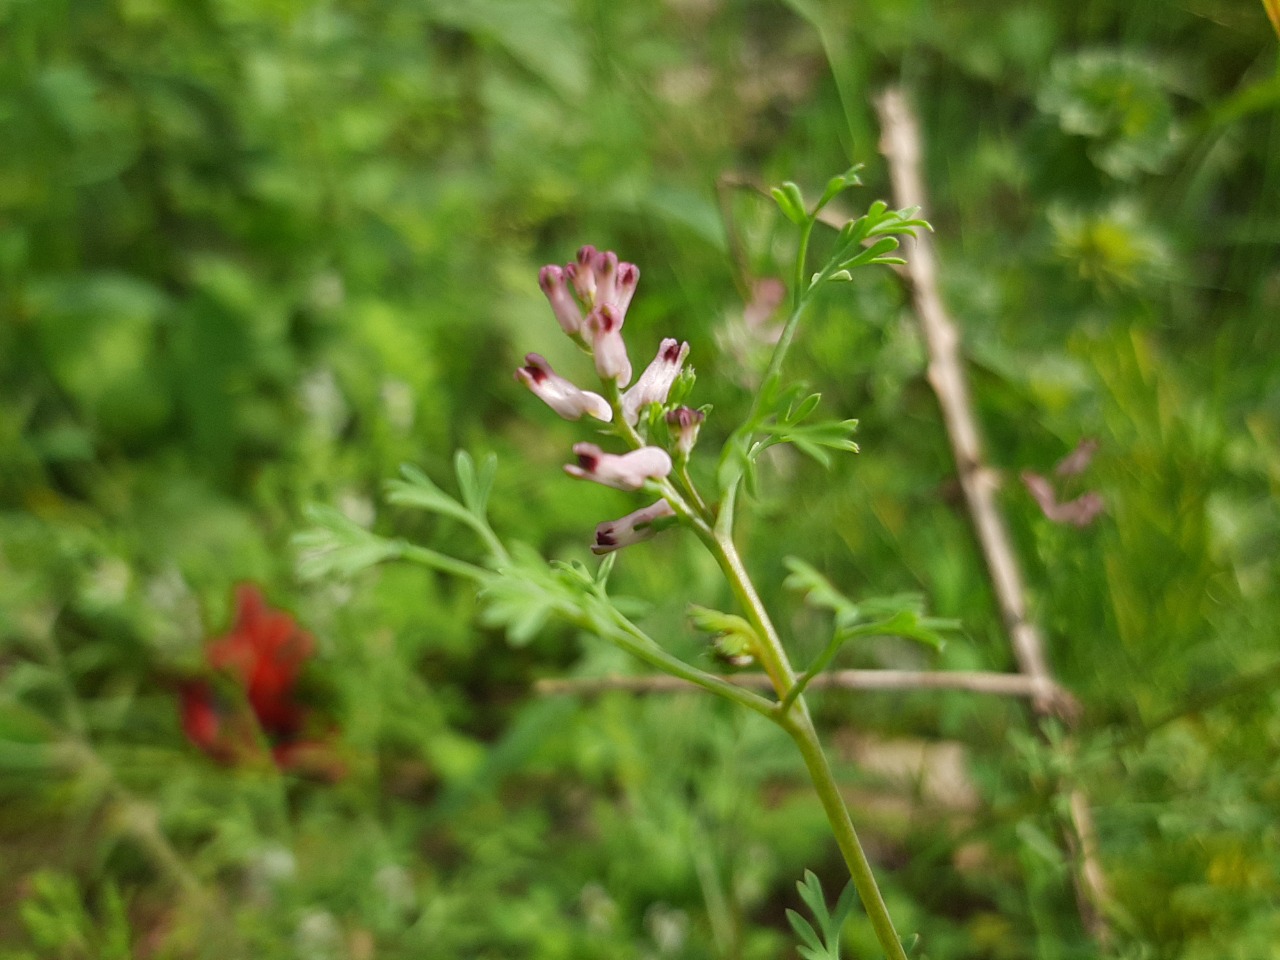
(399, 402)
(395, 886)
(318, 936)
(322, 401)
(668, 926)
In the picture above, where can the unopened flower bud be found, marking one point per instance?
(627, 471)
(604, 325)
(632, 528)
(684, 423)
(558, 393)
(625, 287)
(553, 283)
(605, 267)
(655, 383)
(582, 274)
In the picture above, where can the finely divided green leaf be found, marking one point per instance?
(838, 184)
(475, 482)
(791, 202)
(418, 490)
(819, 591)
(338, 546)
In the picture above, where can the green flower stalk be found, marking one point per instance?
(594, 273)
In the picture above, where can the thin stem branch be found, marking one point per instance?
(640, 645)
(446, 564)
(900, 143)
(780, 350)
(800, 282)
(685, 482)
(806, 678)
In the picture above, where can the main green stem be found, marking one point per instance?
(797, 721)
(792, 711)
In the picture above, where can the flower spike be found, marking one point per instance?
(628, 471)
(558, 393)
(632, 528)
(655, 383)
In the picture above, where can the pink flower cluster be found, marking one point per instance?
(589, 298)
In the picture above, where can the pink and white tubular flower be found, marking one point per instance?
(627, 471)
(604, 326)
(632, 528)
(685, 423)
(558, 393)
(553, 283)
(655, 383)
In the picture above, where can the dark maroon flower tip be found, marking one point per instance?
(533, 368)
(607, 319)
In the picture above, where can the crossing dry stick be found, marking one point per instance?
(973, 681)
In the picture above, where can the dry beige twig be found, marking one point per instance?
(900, 144)
(972, 681)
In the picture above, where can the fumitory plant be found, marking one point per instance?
(652, 435)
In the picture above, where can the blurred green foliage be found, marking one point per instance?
(255, 255)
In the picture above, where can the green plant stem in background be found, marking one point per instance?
(799, 301)
(774, 370)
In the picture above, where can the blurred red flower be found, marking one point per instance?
(263, 656)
